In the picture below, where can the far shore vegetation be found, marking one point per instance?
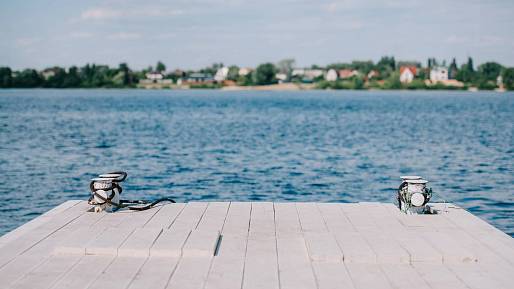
(387, 73)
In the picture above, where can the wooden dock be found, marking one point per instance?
(256, 245)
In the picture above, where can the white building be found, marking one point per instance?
(298, 72)
(373, 74)
(313, 73)
(154, 75)
(221, 74)
(331, 75)
(281, 77)
(438, 74)
(407, 74)
(244, 71)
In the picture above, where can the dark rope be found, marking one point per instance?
(123, 203)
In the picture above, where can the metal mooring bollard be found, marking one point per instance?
(413, 195)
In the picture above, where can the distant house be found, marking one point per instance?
(179, 73)
(331, 75)
(499, 81)
(49, 72)
(281, 77)
(221, 74)
(199, 78)
(155, 79)
(407, 74)
(347, 73)
(244, 71)
(373, 74)
(438, 73)
(298, 72)
(154, 75)
(307, 75)
(313, 73)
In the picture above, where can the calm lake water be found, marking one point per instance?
(326, 146)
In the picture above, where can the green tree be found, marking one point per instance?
(233, 73)
(160, 66)
(508, 78)
(127, 75)
(5, 77)
(387, 62)
(28, 78)
(466, 72)
(489, 71)
(265, 74)
(286, 66)
(72, 78)
(453, 70)
(363, 66)
(393, 81)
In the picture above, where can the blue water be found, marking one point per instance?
(326, 146)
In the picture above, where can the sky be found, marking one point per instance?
(191, 34)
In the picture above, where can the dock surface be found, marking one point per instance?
(254, 245)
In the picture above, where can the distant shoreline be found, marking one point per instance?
(271, 87)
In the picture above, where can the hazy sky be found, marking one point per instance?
(196, 33)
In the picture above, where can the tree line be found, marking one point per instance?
(484, 76)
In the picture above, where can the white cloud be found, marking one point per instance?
(100, 13)
(165, 36)
(81, 35)
(26, 41)
(106, 13)
(124, 36)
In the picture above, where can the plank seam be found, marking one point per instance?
(246, 246)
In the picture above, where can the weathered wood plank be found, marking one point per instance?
(76, 242)
(12, 249)
(387, 250)
(214, 217)
(198, 251)
(138, 219)
(190, 216)
(403, 276)
(238, 219)
(170, 243)
(261, 268)
(366, 276)
(310, 218)
(323, 247)
(335, 220)
(262, 220)
(191, 273)
(355, 248)
(155, 273)
(46, 275)
(108, 242)
(84, 273)
(119, 273)
(451, 250)
(286, 219)
(474, 276)
(418, 248)
(34, 223)
(228, 266)
(165, 216)
(295, 271)
(139, 242)
(332, 276)
(201, 243)
(359, 217)
(438, 277)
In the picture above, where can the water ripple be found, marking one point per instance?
(256, 146)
